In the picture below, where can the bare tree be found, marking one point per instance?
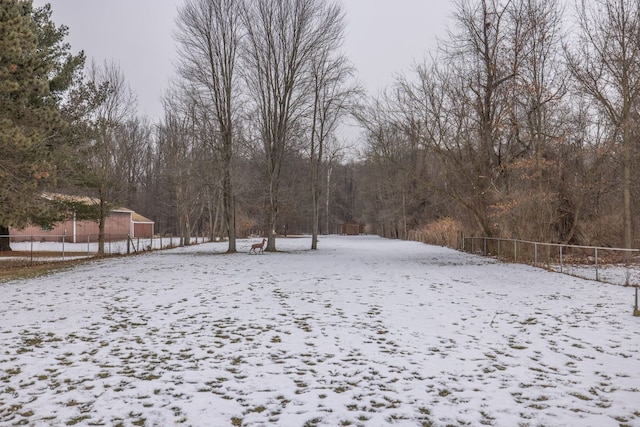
(282, 38)
(209, 33)
(484, 59)
(183, 152)
(530, 202)
(470, 117)
(118, 104)
(394, 161)
(542, 80)
(605, 61)
(332, 97)
(133, 141)
(334, 157)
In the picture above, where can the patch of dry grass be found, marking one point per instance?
(27, 269)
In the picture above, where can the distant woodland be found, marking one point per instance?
(523, 123)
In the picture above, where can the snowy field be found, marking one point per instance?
(364, 331)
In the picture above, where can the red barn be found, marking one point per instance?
(120, 223)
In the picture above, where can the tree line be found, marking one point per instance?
(518, 125)
(523, 124)
(248, 140)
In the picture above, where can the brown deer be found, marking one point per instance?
(257, 246)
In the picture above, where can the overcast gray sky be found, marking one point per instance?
(383, 37)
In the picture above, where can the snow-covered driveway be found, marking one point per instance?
(364, 331)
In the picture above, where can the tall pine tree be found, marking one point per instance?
(36, 70)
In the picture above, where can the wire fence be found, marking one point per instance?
(612, 265)
(29, 250)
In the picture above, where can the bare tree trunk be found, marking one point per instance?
(316, 159)
(5, 240)
(327, 201)
(228, 200)
(315, 196)
(210, 216)
(404, 214)
(626, 191)
(102, 222)
(272, 218)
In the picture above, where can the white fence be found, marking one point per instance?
(33, 249)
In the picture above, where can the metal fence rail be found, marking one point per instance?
(614, 265)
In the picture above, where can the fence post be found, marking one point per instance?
(560, 258)
(63, 236)
(128, 244)
(535, 253)
(515, 251)
(597, 276)
(31, 249)
(485, 246)
(499, 241)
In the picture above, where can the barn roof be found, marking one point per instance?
(135, 217)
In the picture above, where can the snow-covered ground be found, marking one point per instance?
(364, 331)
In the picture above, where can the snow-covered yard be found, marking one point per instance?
(365, 331)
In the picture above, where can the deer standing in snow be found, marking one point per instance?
(257, 247)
